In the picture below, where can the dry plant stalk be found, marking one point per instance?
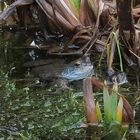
(89, 102)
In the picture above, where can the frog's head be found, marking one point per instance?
(85, 60)
(78, 70)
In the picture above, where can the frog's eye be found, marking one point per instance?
(77, 63)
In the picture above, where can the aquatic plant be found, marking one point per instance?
(36, 113)
(112, 108)
(111, 116)
(112, 113)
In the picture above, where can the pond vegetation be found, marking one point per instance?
(37, 113)
(102, 103)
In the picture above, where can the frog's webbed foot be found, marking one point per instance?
(62, 86)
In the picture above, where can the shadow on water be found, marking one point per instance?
(36, 113)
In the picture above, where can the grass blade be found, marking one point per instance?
(119, 111)
(98, 111)
(107, 105)
(114, 104)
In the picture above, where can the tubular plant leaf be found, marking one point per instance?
(107, 105)
(98, 111)
(113, 105)
(119, 111)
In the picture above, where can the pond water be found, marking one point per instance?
(31, 113)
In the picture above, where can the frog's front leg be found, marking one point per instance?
(61, 85)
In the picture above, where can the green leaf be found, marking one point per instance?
(98, 111)
(119, 50)
(107, 105)
(76, 4)
(119, 111)
(114, 104)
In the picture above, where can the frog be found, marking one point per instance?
(59, 73)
